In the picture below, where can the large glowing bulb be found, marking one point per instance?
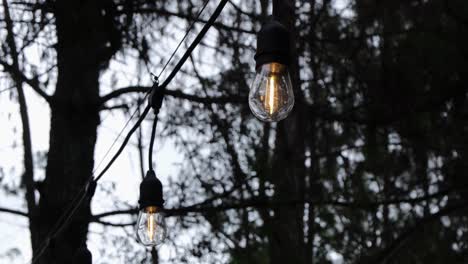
(271, 96)
(151, 227)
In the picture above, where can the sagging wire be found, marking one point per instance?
(155, 101)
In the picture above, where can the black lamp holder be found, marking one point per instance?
(272, 43)
(151, 193)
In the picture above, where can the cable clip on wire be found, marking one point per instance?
(156, 96)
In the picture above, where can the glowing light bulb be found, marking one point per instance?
(151, 227)
(271, 96)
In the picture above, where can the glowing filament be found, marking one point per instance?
(151, 225)
(271, 95)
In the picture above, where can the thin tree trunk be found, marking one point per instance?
(28, 176)
(287, 243)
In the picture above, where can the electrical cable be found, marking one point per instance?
(185, 36)
(151, 146)
(156, 78)
(121, 131)
(196, 41)
(70, 210)
(124, 143)
(67, 213)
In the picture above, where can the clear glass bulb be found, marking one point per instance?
(271, 96)
(151, 226)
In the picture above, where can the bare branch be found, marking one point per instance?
(115, 107)
(204, 207)
(15, 73)
(252, 16)
(95, 218)
(166, 13)
(122, 91)
(113, 224)
(15, 212)
(175, 94)
(387, 253)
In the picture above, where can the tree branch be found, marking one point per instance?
(15, 73)
(115, 107)
(387, 253)
(15, 212)
(166, 13)
(252, 16)
(14, 69)
(96, 218)
(203, 207)
(28, 176)
(113, 224)
(175, 94)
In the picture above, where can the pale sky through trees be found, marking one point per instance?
(124, 174)
(122, 180)
(368, 167)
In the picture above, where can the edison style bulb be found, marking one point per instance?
(151, 227)
(271, 96)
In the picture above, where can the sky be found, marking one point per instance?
(124, 175)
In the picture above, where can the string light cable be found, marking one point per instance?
(155, 101)
(84, 190)
(155, 82)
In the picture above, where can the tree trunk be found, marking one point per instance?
(287, 239)
(84, 46)
(28, 176)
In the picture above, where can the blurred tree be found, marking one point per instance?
(369, 167)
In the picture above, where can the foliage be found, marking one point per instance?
(370, 166)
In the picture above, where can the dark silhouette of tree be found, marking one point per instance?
(369, 166)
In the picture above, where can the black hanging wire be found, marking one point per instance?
(64, 218)
(124, 143)
(185, 36)
(90, 185)
(123, 129)
(151, 146)
(158, 91)
(82, 193)
(155, 102)
(155, 80)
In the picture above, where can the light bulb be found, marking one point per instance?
(271, 96)
(151, 227)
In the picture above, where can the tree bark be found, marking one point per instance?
(287, 236)
(85, 45)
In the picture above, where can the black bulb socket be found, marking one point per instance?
(272, 44)
(151, 191)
